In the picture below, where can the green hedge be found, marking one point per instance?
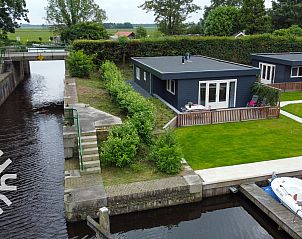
(226, 48)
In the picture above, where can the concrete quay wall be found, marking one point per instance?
(11, 74)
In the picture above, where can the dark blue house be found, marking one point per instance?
(278, 67)
(201, 80)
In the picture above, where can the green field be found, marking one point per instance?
(32, 34)
(219, 145)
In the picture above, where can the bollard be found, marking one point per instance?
(104, 219)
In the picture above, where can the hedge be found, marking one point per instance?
(225, 48)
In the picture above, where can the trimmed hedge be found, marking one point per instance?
(225, 48)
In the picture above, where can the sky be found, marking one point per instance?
(116, 10)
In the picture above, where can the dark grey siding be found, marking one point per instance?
(188, 90)
(283, 72)
(159, 88)
(145, 84)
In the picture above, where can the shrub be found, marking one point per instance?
(121, 146)
(79, 64)
(166, 153)
(272, 95)
(293, 31)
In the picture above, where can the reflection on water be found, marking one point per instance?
(227, 217)
(31, 123)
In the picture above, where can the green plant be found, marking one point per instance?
(79, 64)
(141, 32)
(166, 153)
(272, 95)
(121, 146)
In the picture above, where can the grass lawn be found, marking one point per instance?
(238, 143)
(295, 109)
(288, 96)
(141, 171)
(32, 34)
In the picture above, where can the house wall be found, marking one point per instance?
(145, 84)
(188, 90)
(159, 88)
(283, 72)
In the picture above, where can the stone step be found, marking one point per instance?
(91, 157)
(91, 164)
(88, 133)
(89, 138)
(90, 151)
(91, 171)
(87, 145)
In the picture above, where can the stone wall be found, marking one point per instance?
(12, 73)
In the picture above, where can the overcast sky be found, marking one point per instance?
(116, 10)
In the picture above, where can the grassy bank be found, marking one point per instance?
(239, 143)
(32, 34)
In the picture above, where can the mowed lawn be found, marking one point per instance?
(295, 109)
(238, 143)
(289, 96)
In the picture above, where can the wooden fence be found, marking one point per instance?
(227, 115)
(288, 86)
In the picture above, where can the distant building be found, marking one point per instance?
(239, 34)
(129, 35)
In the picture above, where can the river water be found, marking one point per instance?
(31, 124)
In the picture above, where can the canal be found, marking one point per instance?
(31, 124)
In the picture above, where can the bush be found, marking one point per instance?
(166, 153)
(79, 64)
(121, 146)
(272, 95)
(84, 30)
(225, 48)
(293, 31)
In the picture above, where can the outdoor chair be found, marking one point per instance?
(253, 101)
(263, 102)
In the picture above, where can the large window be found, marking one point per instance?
(171, 86)
(296, 71)
(138, 73)
(267, 73)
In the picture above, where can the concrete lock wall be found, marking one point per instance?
(11, 74)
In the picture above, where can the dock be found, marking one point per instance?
(277, 212)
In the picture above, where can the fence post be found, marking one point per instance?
(239, 115)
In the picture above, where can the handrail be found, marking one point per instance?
(80, 146)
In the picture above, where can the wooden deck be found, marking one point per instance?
(277, 212)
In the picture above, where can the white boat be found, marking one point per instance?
(289, 191)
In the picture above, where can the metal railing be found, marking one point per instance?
(69, 117)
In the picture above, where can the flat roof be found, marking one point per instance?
(171, 67)
(288, 58)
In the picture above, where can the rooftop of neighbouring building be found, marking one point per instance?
(126, 34)
(289, 58)
(166, 67)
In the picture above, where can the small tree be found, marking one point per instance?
(293, 31)
(222, 21)
(141, 32)
(85, 30)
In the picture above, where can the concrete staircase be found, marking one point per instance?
(91, 159)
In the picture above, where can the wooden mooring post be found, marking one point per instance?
(102, 229)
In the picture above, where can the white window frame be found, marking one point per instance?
(272, 72)
(298, 69)
(138, 73)
(145, 75)
(169, 87)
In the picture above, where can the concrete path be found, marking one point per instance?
(289, 115)
(251, 170)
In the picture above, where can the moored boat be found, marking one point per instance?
(289, 192)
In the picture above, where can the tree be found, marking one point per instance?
(170, 14)
(219, 3)
(65, 13)
(254, 17)
(141, 32)
(222, 21)
(11, 12)
(293, 31)
(285, 13)
(195, 28)
(84, 30)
